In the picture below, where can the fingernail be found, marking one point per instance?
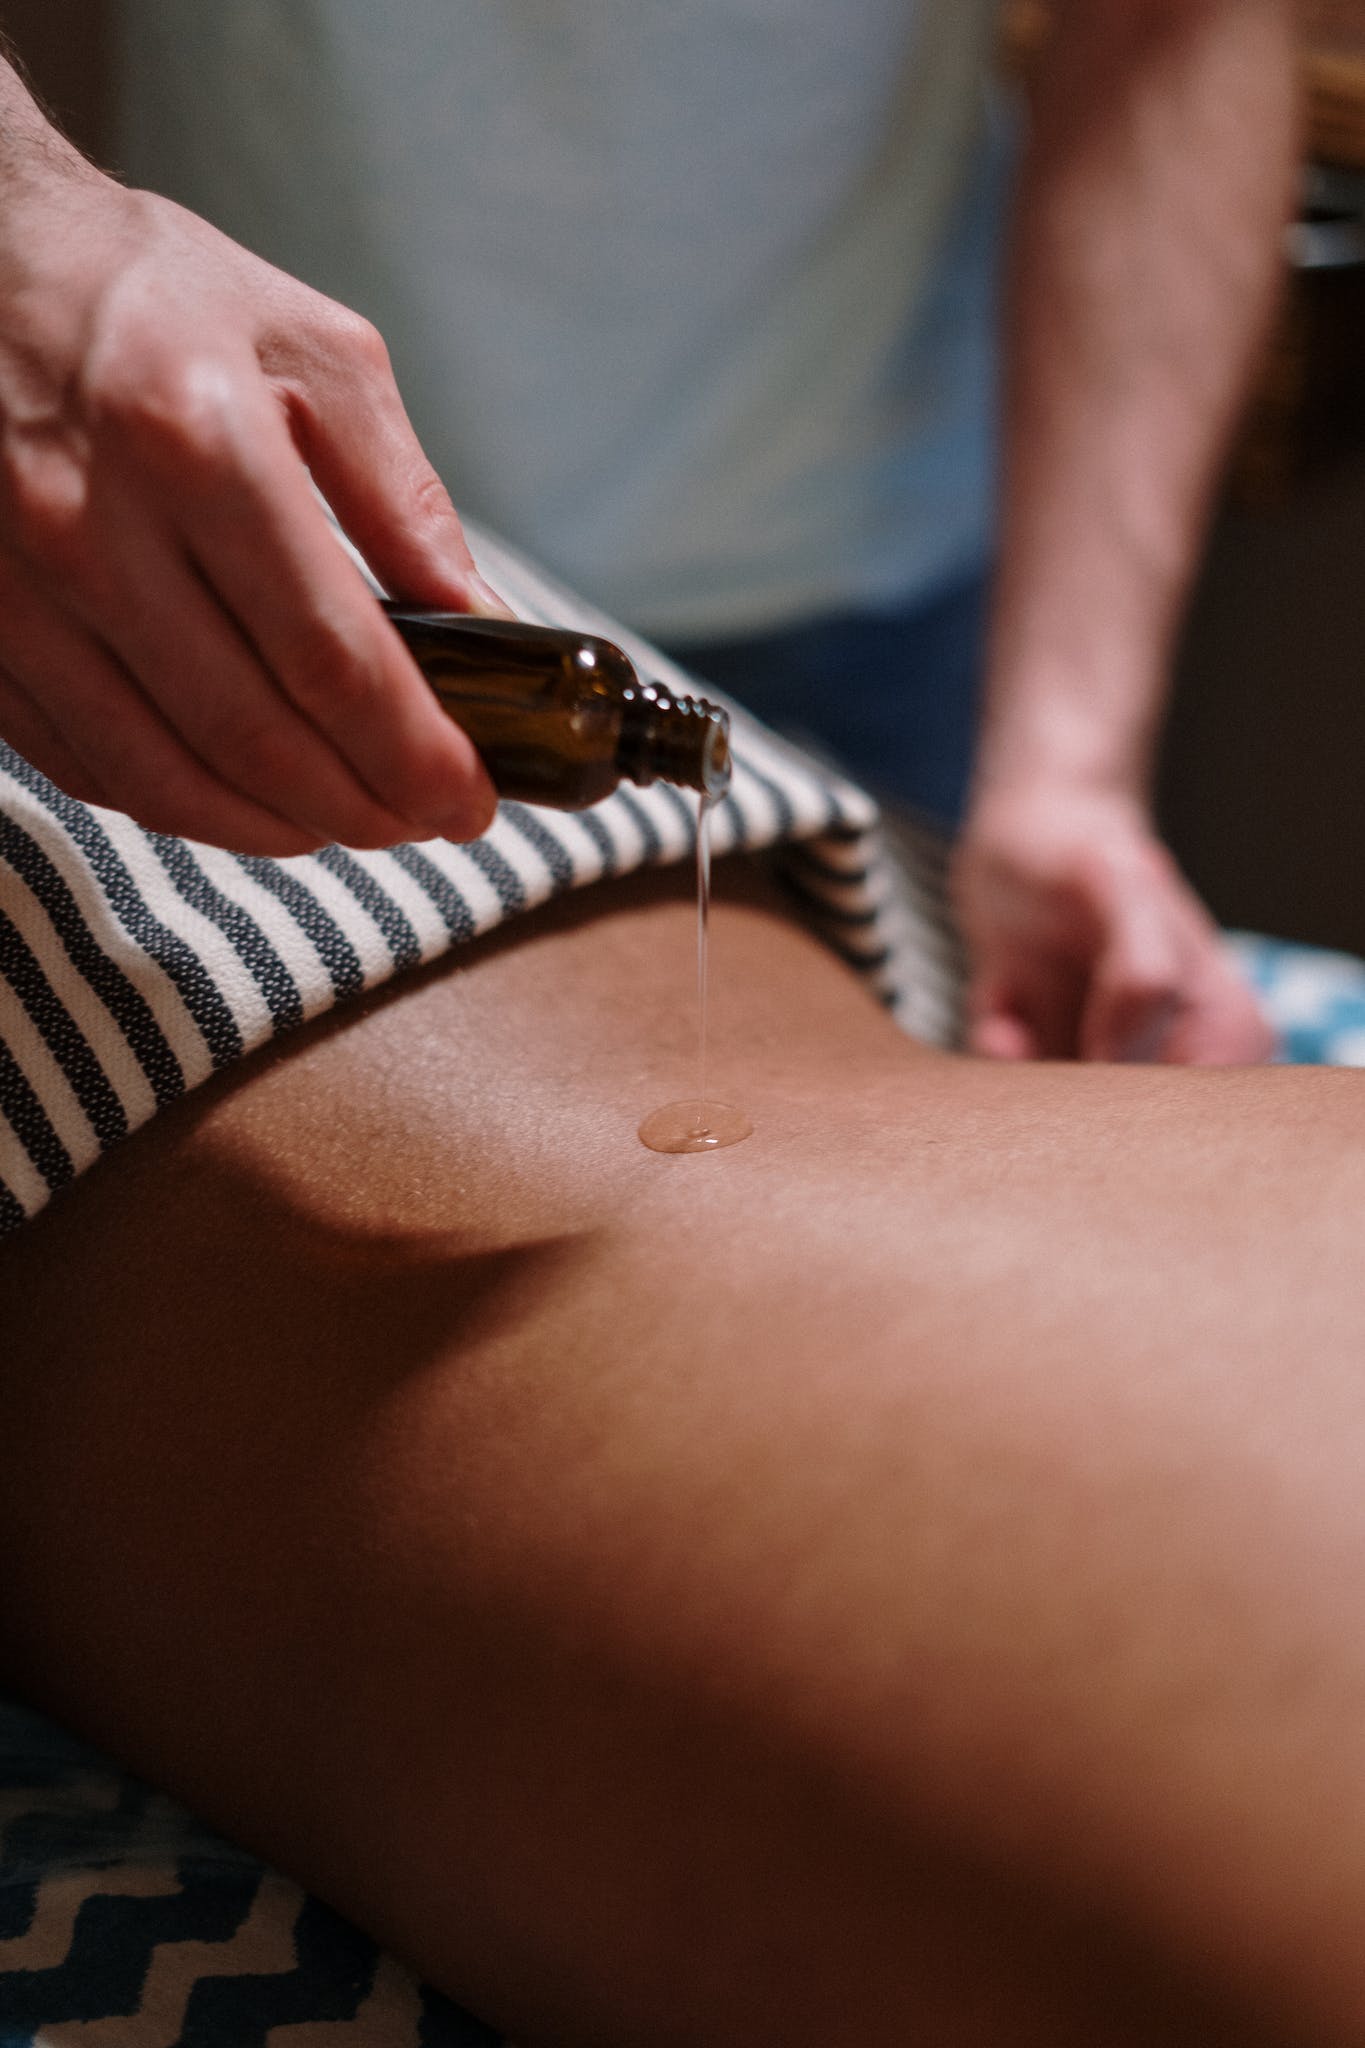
(484, 599)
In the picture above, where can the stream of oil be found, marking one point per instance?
(700, 1125)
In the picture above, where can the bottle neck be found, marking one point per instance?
(668, 738)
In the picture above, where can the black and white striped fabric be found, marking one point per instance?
(133, 966)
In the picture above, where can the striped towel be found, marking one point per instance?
(134, 965)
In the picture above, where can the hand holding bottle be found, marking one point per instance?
(180, 635)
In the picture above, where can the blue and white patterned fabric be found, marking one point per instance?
(130, 968)
(133, 966)
(126, 1924)
(1313, 1000)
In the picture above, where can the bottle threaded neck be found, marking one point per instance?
(671, 738)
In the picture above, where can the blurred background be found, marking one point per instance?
(1262, 790)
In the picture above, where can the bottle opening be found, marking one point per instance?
(717, 762)
(683, 740)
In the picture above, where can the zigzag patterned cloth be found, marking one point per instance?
(133, 966)
(125, 1924)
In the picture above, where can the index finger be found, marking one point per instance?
(253, 526)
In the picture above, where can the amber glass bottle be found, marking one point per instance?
(561, 717)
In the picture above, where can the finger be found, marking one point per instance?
(1139, 1032)
(1221, 1024)
(1130, 1025)
(31, 733)
(249, 516)
(104, 723)
(1033, 1013)
(998, 1025)
(1136, 987)
(352, 430)
(189, 657)
(1000, 1036)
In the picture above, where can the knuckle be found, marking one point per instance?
(335, 332)
(360, 341)
(431, 501)
(179, 416)
(334, 670)
(47, 497)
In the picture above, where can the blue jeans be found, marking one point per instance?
(893, 695)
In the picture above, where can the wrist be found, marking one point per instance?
(1070, 728)
(1008, 813)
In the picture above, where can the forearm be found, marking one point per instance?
(1143, 268)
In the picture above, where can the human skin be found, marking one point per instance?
(898, 1579)
(180, 635)
(1145, 260)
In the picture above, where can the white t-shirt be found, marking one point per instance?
(692, 298)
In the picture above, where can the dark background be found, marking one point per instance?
(1263, 778)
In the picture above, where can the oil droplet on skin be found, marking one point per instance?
(699, 1125)
(694, 1127)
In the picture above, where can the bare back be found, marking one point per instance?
(902, 1573)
